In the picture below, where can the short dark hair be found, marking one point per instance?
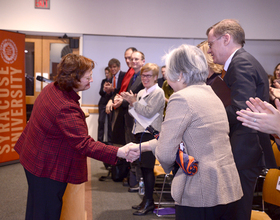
(114, 61)
(71, 69)
(131, 48)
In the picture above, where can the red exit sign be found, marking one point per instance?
(45, 4)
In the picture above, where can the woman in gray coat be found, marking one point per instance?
(196, 116)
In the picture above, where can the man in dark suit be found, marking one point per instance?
(117, 76)
(135, 85)
(113, 87)
(246, 78)
(118, 125)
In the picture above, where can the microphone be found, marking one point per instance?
(43, 79)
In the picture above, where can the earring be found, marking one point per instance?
(178, 80)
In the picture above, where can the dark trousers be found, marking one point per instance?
(44, 198)
(219, 212)
(118, 126)
(248, 180)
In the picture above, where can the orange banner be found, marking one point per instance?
(12, 93)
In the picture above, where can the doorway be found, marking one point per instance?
(42, 54)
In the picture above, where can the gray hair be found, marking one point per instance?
(188, 60)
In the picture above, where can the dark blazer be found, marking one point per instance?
(135, 87)
(119, 84)
(117, 116)
(104, 97)
(246, 78)
(160, 82)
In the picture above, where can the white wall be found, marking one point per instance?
(102, 48)
(149, 18)
(174, 21)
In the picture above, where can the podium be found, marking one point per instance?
(73, 207)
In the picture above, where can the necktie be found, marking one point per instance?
(134, 78)
(114, 82)
(223, 74)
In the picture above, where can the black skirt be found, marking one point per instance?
(147, 158)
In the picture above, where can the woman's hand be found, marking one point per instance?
(130, 152)
(129, 97)
(274, 92)
(261, 116)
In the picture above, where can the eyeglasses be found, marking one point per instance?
(146, 76)
(89, 78)
(211, 42)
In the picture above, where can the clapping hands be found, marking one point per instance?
(261, 116)
(274, 92)
(129, 97)
(108, 87)
(117, 101)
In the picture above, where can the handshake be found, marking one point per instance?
(130, 152)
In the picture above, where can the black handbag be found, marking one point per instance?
(120, 170)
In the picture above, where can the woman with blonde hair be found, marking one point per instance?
(148, 103)
(214, 69)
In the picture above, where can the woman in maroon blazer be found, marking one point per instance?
(55, 143)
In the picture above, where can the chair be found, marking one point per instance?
(276, 154)
(269, 193)
(159, 173)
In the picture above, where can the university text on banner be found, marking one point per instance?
(12, 93)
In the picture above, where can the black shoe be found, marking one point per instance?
(149, 206)
(125, 182)
(133, 189)
(141, 205)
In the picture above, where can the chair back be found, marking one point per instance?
(270, 193)
(276, 153)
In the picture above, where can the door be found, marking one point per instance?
(42, 54)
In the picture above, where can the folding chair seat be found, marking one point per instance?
(269, 193)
